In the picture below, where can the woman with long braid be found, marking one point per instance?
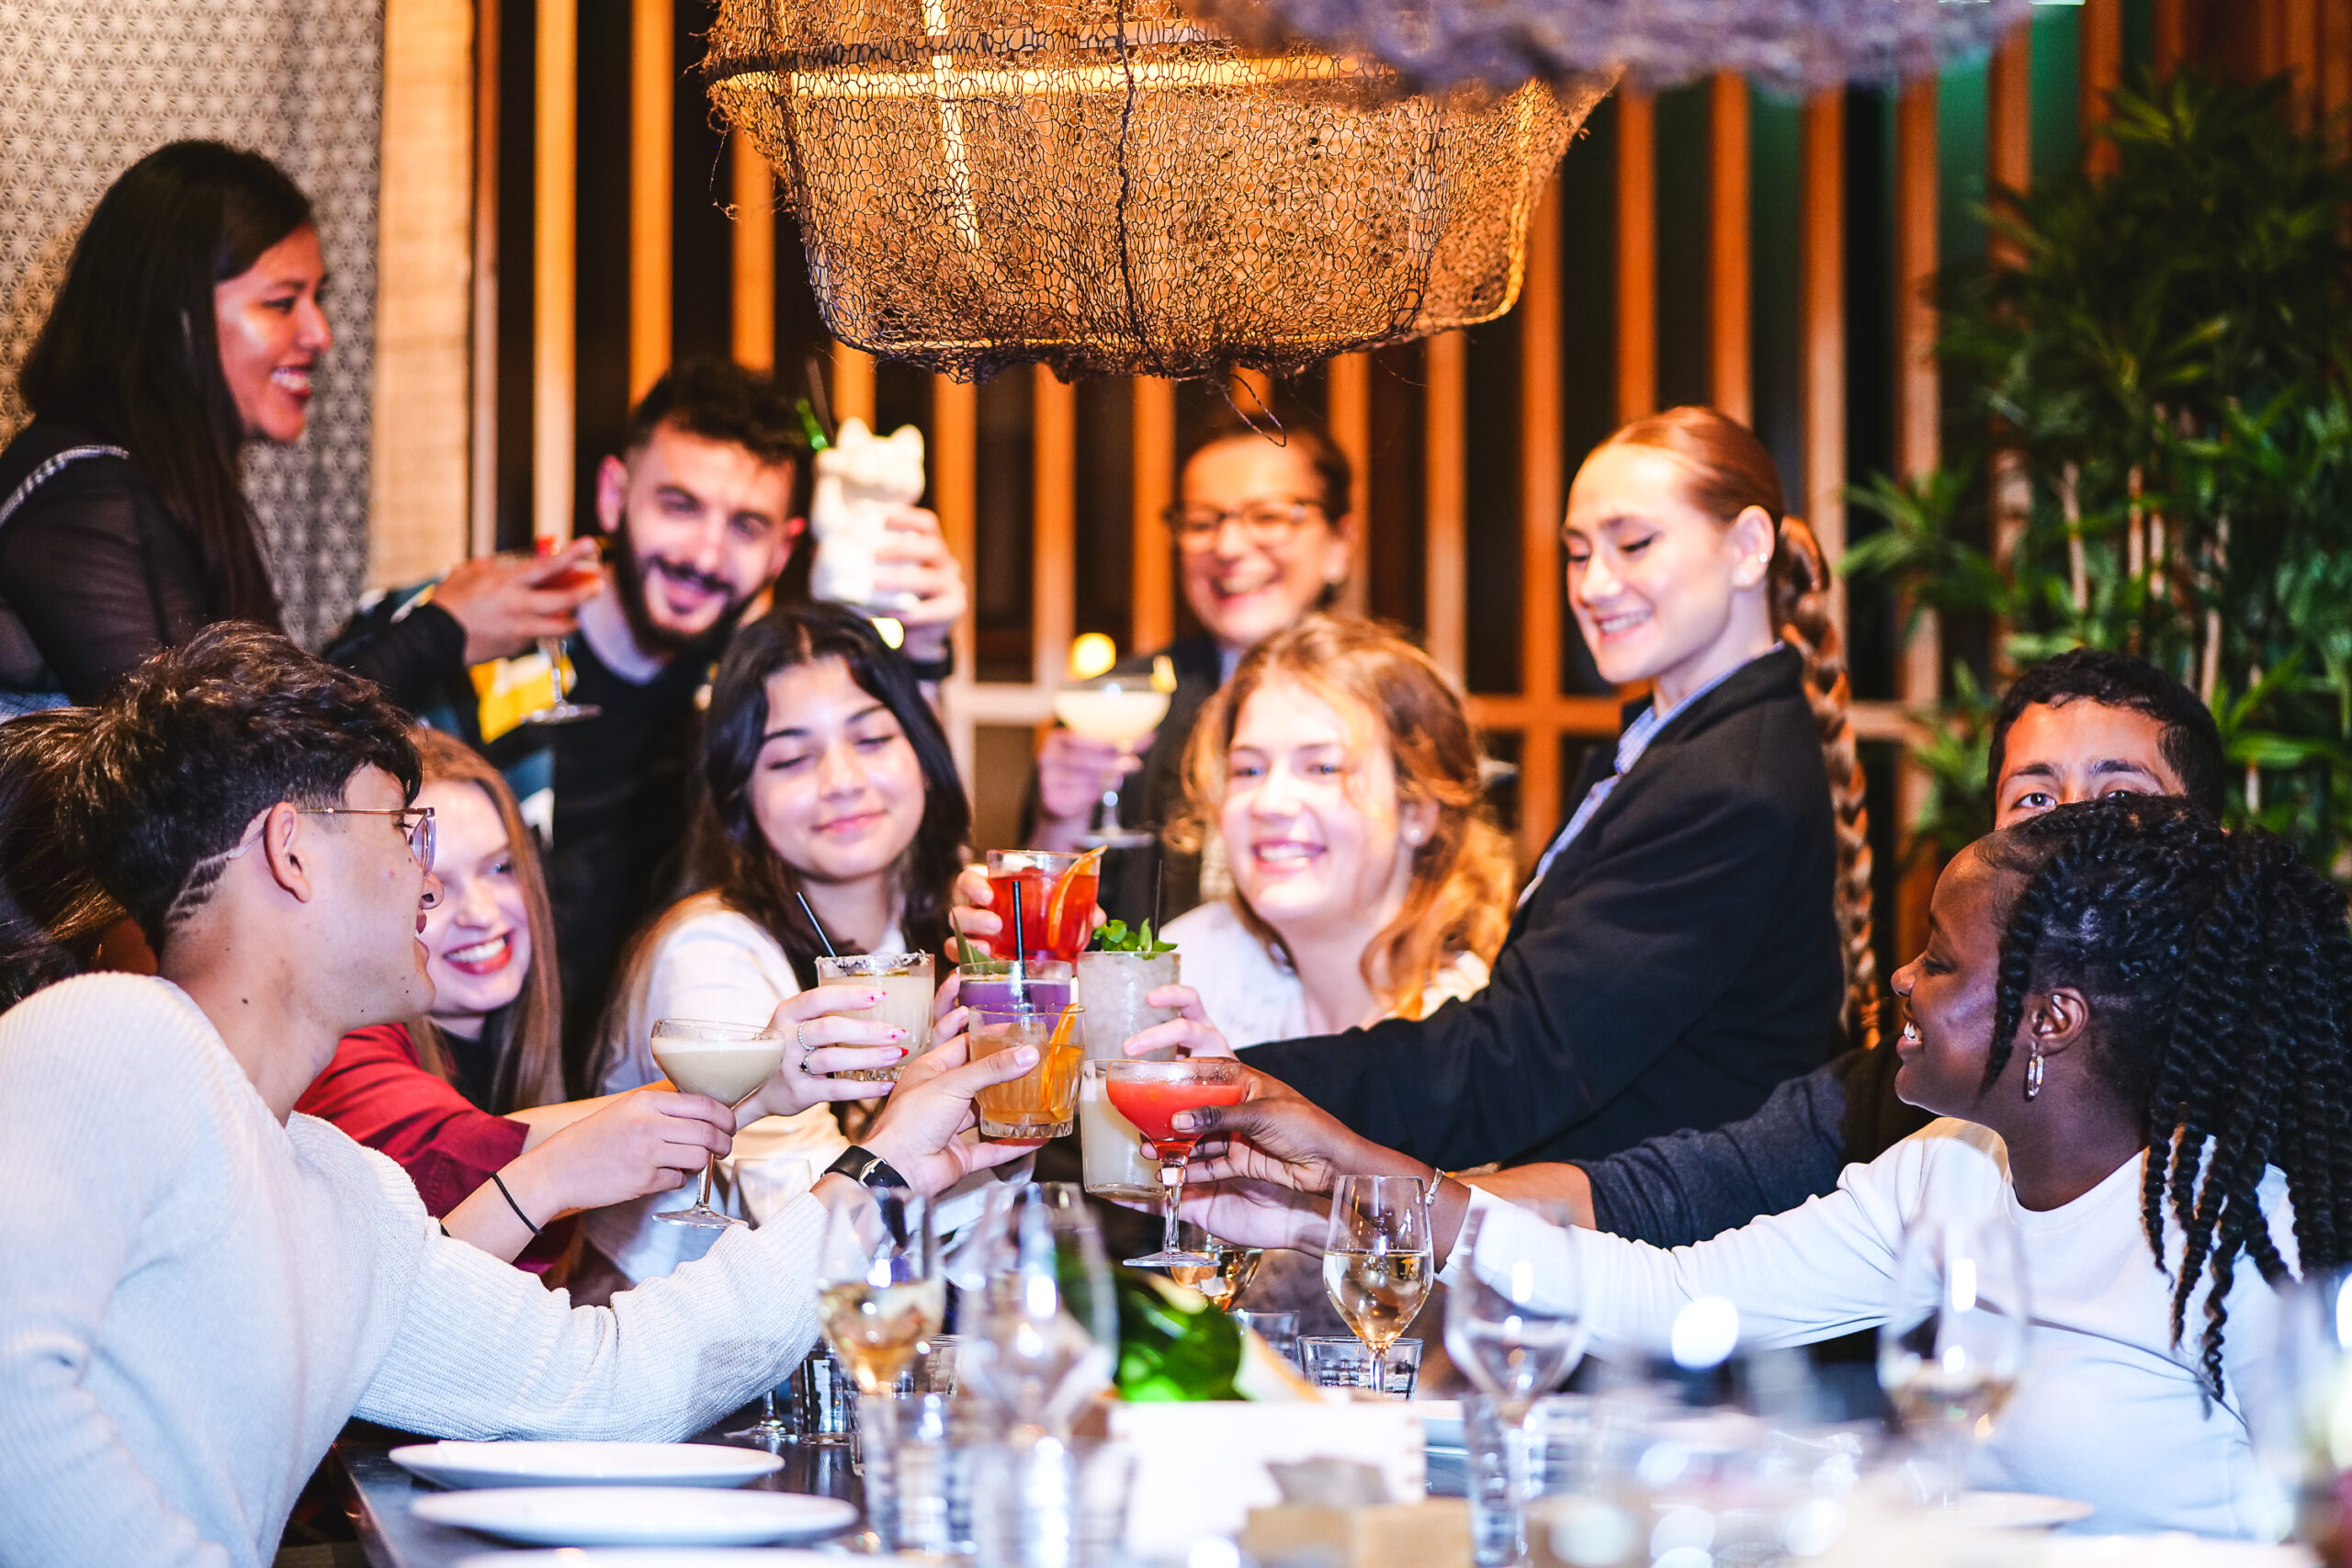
(2135, 1026)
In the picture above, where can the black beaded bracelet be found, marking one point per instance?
(512, 1204)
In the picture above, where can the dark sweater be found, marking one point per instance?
(1685, 1187)
(1678, 960)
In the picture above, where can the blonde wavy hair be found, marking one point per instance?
(1459, 898)
(1730, 471)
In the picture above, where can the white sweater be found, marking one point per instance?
(1252, 997)
(194, 1298)
(2108, 1410)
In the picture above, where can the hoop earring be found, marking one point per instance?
(2034, 1072)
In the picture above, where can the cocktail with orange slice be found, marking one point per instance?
(1045, 900)
(1042, 1102)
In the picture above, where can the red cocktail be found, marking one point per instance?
(1045, 900)
(1149, 1094)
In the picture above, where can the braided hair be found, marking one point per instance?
(2218, 969)
(1729, 471)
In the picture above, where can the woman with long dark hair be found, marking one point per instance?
(828, 777)
(190, 324)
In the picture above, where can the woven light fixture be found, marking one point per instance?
(1114, 186)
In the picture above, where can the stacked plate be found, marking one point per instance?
(618, 1495)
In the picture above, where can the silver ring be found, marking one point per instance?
(806, 1049)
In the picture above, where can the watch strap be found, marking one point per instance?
(867, 1168)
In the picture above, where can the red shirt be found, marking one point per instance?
(378, 1090)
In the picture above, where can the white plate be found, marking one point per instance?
(2017, 1511)
(585, 1464)
(657, 1557)
(2170, 1550)
(637, 1516)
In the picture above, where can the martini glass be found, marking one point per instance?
(1120, 710)
(1149, 1094)
(729, 1062)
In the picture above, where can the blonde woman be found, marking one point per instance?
(1369, 881)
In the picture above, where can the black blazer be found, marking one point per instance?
(1679, 959)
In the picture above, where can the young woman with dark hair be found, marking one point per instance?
(827, 777)
(2136, 1026)
(190, 324)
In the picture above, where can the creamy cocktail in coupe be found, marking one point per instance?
(1122, 711)
(729, 1062)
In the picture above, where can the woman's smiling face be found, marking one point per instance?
(477, 939)
(837, 791)
(1949, 991)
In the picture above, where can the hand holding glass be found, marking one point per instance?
(729, 1062)
(1149, 1095)
(1377, 1259)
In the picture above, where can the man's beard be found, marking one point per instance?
(628, 577)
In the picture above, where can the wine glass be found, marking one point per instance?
(1518, 1332)
(2298, 1405)
(1121, 710)
(1225, 1276)
(1377, 1263)
(728, 1062)
(1046, 1335)
(1954, 1341)
(1149, 1094)
(879, 1294)
(563, 710)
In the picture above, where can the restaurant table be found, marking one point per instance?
(380, 1492)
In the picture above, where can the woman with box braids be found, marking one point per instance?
(2218, 969)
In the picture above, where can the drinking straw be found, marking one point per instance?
(813, 924)
(1020, 952)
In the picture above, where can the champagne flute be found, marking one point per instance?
(1377, 1262)
(1954, 1341)
(729, 1062)
(1149, 1094)
(1518, 1335)
(879, 1294)
(1047, 1339)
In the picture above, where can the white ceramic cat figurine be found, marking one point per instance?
(860, 479)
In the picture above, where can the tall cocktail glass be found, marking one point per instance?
(1045, 900)
(1149, 1094)
(1113, 985)
(1110, 1148)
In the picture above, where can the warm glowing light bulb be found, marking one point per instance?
(1092, 654)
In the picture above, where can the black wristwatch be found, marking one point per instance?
(867, 1168)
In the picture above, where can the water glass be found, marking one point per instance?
(1337, 1360)
(1040, 1320)
(916, 1451)
(827, 1409)
(904, 980)
(1278, 1329)
(1045, 1502)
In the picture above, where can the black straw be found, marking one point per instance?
(815, 926)
(1020, 950)
(1158, 885)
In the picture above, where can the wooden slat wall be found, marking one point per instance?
(555, 192)
(652, 70)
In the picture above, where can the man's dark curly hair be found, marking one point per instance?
(720, 400)
(2191, 742)
(201, 739)
(2219, 970)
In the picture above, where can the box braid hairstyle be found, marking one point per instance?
(2219, 970)
(1730, 471)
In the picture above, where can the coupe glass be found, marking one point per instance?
(1122, 710)
(1041, 1330)
(1377, 1263)
(1149, 1094)
(1955, 1339)
(728, 1062)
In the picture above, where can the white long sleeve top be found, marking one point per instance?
(2110, 1411)
(194, 1298)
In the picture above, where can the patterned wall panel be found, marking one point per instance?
(88, 86)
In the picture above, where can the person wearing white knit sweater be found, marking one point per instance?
(201, 1287)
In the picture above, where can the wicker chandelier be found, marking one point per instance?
(1115, 186)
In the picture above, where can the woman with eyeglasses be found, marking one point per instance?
(468, 1098)
(1264, 528)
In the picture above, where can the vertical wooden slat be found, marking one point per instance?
(2168, 41)
(2336, 68)
(1445, 581)
(1541, 504)
(1731, 375)
(1053, 510)
(417, 517)
(1152, 597)
(1822, 325)
(652, 79)
(2008, 149)
(2100, 62)
(1347, 410)
(1918, 676)
(1636, 254)
(553, 237)
(852, 384)
(954, 453)
(754, 237)
(2302, 28)
(483, 467)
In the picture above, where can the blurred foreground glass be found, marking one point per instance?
(1955, 1341)
(1515, 1325)
(1040, 1321)
(2298, 1405)
(879, 1292)
(917, 1453)
(1227, 1273)
(1377, 1262)
(1041, 1502)
(1042, 1102)
(728, 1062)
(904, 980)
(1278, 1329)
(1332, 1360)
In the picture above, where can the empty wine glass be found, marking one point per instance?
(1954, 1341)
(1377, 1265)
(1042, 1325)
(2298, 1405)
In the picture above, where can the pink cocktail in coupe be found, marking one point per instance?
(1149, 1094)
